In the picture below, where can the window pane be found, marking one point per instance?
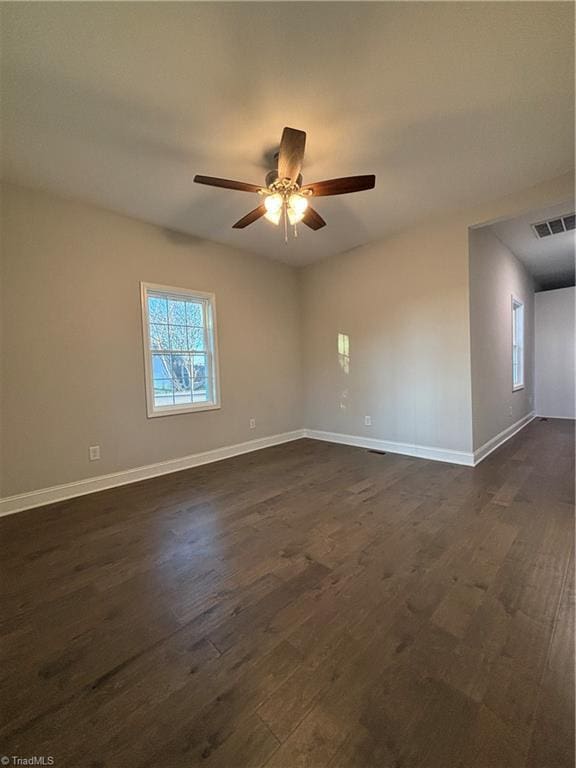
(157, 309)
(162, 386)
(517, 344)
(178, 338)
(196, 339)
(163, 392)
(160, 367)
(180, 370)
(194, 313)
(201, 391)
(159, 336)
(199, 366)
(183, 397)
(177, 311)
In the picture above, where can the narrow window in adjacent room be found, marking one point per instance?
(517, 344)
(180, 350)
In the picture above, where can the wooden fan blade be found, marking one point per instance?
(250, 218)
(241, 186)
(342, 186)
(313, 219)
(291, 153)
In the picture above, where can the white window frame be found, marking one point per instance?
(209, 299)
(518, 312)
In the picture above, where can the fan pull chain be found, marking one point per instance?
(285, 226)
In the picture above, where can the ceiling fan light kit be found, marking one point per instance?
(285, 198)
(282, 199)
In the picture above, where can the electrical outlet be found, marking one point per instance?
(367, 421)
(94, 452)
(252, 423)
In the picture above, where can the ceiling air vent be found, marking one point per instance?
(554, 226)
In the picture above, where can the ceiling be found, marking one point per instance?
(550, 259)
(120, 104)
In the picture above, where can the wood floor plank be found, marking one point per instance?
(552, 741)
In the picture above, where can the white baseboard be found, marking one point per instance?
(22, 501)
(406, 449)
(495, 442)
(545, 416)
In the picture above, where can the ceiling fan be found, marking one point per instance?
(285, 197)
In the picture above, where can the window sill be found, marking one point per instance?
(518, 388)
(169, 411)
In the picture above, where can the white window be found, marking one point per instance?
(517, 344)
(180, 350)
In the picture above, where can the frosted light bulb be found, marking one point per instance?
(294, 217)
(298, 203)
(273, 216)
(273, 203)
(296, 208)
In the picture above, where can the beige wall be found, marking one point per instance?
(404, 302)
(72, 360)
(404, 305)
(554, 354)
(495, 276)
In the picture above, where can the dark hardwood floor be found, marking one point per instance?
(305, 605)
